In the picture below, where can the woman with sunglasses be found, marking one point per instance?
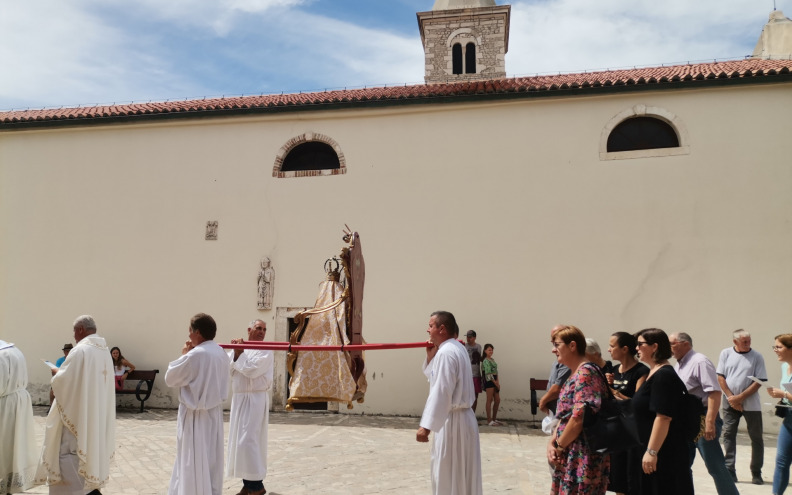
(576, 468)
(658, 409)
(783, 349)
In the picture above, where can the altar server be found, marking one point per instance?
(18, 450)
(251, 381)
(201, 374)
(456, 457)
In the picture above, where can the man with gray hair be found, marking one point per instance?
(698, 374)
(740, 399)
(82, 417)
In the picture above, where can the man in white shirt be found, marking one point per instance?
(740, 399)
(456, 455)
(82, 418)
(251, 381)
(201, 374)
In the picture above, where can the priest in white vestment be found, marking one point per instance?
(251, 381)
(456, 457)
(202, 377)
(79, 434)
(18, 449)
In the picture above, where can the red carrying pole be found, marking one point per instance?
(285, 346)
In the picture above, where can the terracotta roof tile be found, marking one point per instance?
(649, 76)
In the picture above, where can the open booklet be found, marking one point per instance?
(758, 380)
(50, 364)
(787, 386)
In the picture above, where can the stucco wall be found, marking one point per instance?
(501, 213)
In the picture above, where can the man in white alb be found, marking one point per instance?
(201, 374)
(18, 449)
(456, 455)
(79, 434)
(251, 380)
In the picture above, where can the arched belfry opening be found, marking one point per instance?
(464, 40)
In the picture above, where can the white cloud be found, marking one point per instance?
(71, 56)
(59, 52)
(217, 15)
(573, 35)
(349, 55)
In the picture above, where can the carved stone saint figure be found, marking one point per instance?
(266, 280)
(211, 230)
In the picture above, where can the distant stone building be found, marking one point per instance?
(465, 40)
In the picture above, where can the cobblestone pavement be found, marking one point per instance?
(322, 453)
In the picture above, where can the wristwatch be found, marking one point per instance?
(557, 445)
(651, 452)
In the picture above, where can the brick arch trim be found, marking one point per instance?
(304, 138)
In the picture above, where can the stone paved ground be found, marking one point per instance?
(321, 453)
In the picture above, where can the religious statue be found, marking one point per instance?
(335, 320)
(266, 281)
(211, 230)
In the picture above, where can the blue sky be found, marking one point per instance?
(83, 52)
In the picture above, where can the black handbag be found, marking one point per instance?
(781, 411)
(612, 428)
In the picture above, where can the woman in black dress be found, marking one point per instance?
(658, 408)
(625, 379)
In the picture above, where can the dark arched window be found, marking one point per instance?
(470, 58)
(456, 58)
(311, 155)
(642, 133)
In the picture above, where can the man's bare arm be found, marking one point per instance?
(551, 395)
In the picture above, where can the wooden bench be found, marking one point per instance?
(536, 385)
(145, 377)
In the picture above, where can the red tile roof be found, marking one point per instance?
(690, 75)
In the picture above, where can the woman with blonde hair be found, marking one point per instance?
(783, 349)
(576, 468)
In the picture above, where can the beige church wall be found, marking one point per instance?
(501, 213)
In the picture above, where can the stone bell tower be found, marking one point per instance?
(465, 40)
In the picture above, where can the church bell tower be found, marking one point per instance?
(465, 40)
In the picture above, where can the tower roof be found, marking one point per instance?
(461, 4)
(776, 38)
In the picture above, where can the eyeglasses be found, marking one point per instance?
(639, 343)
(556, 344)
(260, 328)
(778, 348)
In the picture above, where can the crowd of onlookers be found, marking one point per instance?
(580, 379)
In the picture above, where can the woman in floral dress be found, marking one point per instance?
(576, 468)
